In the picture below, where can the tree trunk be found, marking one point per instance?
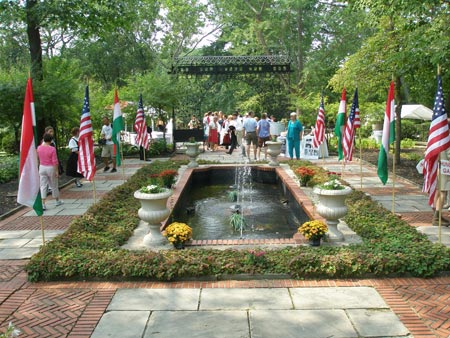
(34, 40)
(34, 43)
(300, 56)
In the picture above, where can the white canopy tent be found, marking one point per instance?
(416, 111)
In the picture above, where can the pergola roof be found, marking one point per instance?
(230, 65)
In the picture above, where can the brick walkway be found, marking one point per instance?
(73, 309)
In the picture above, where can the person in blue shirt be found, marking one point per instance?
(263, 131)
(294, 136)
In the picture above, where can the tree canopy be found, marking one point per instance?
(132, 45)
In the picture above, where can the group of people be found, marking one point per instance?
(233, 130)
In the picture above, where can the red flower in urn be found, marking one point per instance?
(305, 174)
(168, 177)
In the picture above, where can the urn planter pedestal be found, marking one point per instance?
(153, 211)
(332, 207)
(273, 149)
(192, 151)
(314, 242)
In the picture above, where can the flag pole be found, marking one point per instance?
(360, 159)
(393, 179)
(393, 166)
(324, 133)
(440, 202)
(323, 147)
(41, 218)
(439, 184)
(121, 158)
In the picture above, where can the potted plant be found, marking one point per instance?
(168, 177)
(177, 234)
(153, 197)
(273, 149)
(332, 206)
(192, 150)
(305, 174)
(313, 231)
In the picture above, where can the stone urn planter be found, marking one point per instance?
(192, 151)
(273, 149)
(332, 207)
(153, 211)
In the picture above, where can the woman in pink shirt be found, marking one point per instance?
(48, 169)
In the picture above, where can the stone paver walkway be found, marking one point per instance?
(390, 307)
(282, 312)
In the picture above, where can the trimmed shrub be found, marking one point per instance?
(90, 248)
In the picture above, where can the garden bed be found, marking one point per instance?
(90, 248)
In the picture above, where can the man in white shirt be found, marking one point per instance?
(108, 147)
(250, 134)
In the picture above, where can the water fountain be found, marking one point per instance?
(242, 185)
(250, 202)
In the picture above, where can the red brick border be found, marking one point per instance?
(301, 198)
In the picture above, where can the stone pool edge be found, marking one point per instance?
(302, 199)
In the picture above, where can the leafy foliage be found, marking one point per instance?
(330, 44)
(237, 221)
(8, 168)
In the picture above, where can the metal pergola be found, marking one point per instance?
(231, 65)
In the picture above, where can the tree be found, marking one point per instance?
(12, 90)
(316, 35)
(407, 46)
(71, 21)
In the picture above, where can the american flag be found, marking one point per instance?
(319, 128)
(140, 126)
(438, 141)
(353, 122)
(86, 157)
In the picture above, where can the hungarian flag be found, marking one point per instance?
(438, 141)
(340, 122)
(29, 193)
(86, 156)
(388, 135)
(353, 122)
(140, 127)
(319, 128)
(117, 127)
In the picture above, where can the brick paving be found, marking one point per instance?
(432, 303)
(73, 308)
(33, 223)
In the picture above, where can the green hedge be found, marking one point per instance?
(90, 249)
(9, 168)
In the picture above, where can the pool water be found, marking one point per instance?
(207, 209)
